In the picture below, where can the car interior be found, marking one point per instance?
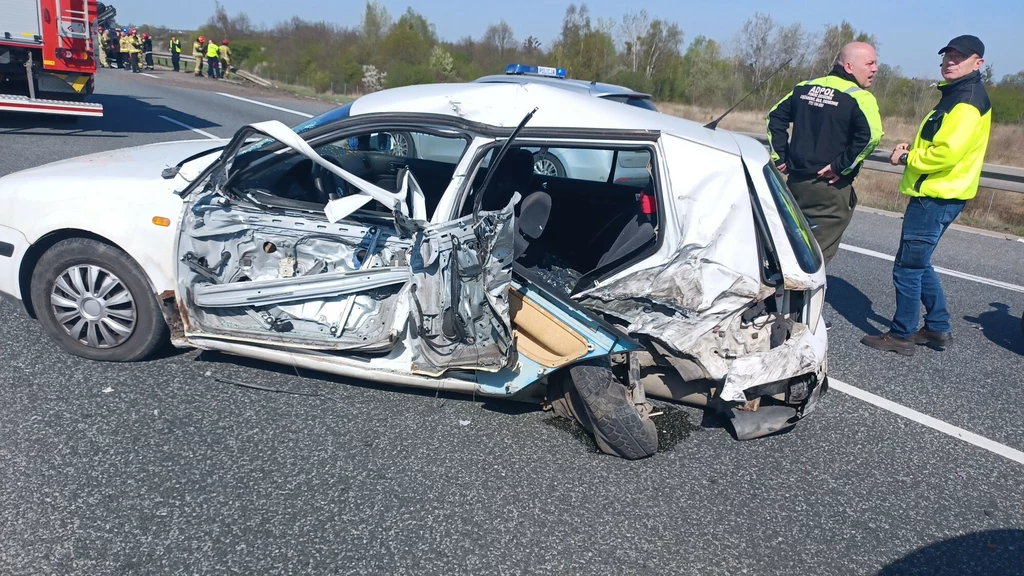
(570, 231)
(300, 183)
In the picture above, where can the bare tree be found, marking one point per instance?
(531, 45)
(661, 42)
(832, 41)
(376, 24)
(631, 35)
(501, 37)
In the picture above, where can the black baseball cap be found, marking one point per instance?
(966, 45)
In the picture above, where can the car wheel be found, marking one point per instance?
(403, 145)
(96, 302)
(547, 164)
(595, 398)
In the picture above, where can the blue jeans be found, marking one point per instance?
(916, 283)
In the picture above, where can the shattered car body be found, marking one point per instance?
(321, 248)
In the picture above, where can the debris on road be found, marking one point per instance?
(108, 390)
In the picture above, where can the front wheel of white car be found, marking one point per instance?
(96, 303)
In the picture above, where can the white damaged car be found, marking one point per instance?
(320, 246)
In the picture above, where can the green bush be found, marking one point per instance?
(1007, 104)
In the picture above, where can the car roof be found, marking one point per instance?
(597, 89)
(505, 104)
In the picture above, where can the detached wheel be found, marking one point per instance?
(594, 397)
(96, 303)
(546, 164)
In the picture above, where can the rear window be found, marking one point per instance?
(638, 101)
(797, 228)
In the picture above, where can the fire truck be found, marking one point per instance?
(47, 56)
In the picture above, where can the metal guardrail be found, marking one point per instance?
(165, 59)
(995, 176)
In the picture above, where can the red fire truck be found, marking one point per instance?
(47, 56)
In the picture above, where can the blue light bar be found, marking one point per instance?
(524, 70)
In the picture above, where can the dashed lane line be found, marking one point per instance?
(196, 130)
(265, 105)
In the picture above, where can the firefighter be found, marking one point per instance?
(102, 46)
(134, 50)
(115, 46)
(126, 54)
(212, 58)
(175, 49)
(198, 50)
(224, 54)
(147, 49)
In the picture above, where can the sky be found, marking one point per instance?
(909, 33)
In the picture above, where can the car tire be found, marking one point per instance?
(407, 142)
(594, 397)
(102, 296)
(547, 164)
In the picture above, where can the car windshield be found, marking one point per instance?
(797, 228)
(248, 154)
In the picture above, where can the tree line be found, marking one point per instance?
(641, 51)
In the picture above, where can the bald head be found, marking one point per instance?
(859, 60)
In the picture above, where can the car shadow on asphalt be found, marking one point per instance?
(497, 405)
(122, 115)
(853, 305)
(988, 553)
(1002, 327)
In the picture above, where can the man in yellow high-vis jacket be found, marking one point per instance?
(943, 169)
(213, 60)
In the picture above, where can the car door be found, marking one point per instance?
(272, 270)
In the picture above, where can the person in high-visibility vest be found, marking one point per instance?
(134, 49)
(224, 53)
(198, 50)
(213, 59)
(942, 172)
(103, 47)
(175, 49)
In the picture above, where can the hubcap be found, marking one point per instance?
(401, 145)
(545, 167)
(93, 306)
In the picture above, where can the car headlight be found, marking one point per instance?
(815, 304)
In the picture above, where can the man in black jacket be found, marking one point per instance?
(836, 125)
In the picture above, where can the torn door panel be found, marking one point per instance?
(228, 254)
(459, 294)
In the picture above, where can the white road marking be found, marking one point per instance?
(933, 423)
(196, 130)
(265, 105)
(150, 75)
(939, 269)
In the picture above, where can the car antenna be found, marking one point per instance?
(713, 125)
(479, 200)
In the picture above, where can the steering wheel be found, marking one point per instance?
(326, 183)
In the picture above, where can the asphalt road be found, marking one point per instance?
(173, 472)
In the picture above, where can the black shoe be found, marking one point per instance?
(923, 337)
(889, 343)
